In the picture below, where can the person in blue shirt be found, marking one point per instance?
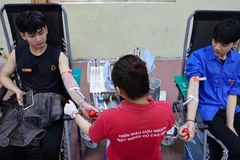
(214, 83)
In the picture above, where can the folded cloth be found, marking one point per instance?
(26, 127)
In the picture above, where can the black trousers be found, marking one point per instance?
(49, 149)
(219, 129)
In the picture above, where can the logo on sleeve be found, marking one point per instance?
(231, 81)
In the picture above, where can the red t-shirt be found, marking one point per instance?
(135, 131)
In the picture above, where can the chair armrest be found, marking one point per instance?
(67, 117)
(200, 123)
(3, 92)
(238, 100)
(182, 85)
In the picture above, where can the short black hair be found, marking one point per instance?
(130, 74)
(30, 21)
(227, 31)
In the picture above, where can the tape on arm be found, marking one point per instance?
(192, 97)
(71, 86)
(197, 78)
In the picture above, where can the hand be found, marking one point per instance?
(233, 129)
(69, 108)
(19, 95)
(182, 132)
(92, 114)
(86, 108)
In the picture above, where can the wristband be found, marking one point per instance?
(74, 115)
(81, 102)
(68, 71)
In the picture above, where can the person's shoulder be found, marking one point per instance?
(235, 53)
(111, 111)
(201, 53)
(202, 50)
(163, 107)
(55, 51)
(164, 104)
(22, 47)
(19, 51)
(54, 48)
(109, 114)
(235, 56)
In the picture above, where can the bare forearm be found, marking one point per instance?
(72, 88)
(6, 72)
(83, 124)
(230, 109)
(192, 109)
(192, 105)
(8, 83)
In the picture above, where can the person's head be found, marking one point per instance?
(32, 27)
(130, 77)
(225, 36)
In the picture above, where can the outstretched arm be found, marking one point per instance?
(5, 76)
(192, 105)
(72, 86)
(71, 109)
(191, 109)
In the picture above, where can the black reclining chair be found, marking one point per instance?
(201, 24)
(56, 20)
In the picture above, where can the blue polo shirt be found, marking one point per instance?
(222, 80)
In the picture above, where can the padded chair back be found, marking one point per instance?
(203, 23)
(56, 21)
(52, 14)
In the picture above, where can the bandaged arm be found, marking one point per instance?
(72, 87)
(192, 105)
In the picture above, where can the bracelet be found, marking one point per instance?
(75, 115)
(190, 120)
(68, 71)
(80, 103)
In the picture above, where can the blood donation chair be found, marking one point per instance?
(58, 36)
(199, 28)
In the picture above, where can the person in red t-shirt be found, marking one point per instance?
(138, 125)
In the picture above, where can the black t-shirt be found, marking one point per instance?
(40, 73)
(223, 61)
